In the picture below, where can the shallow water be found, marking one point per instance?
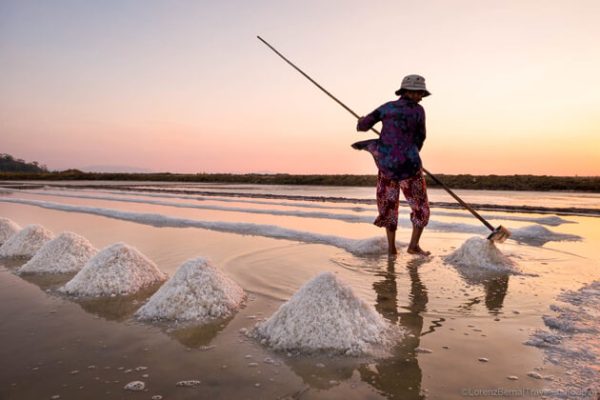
(56, 345)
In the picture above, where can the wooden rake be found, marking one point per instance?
(499, 234)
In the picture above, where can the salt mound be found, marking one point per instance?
(325, 315)
(68, 252)
(198, 291)
(7, 229)
(118, 269)
(477, 252)
(572, 342)
(26, 242)
(588, 295)
(370, 246)
(538, 235)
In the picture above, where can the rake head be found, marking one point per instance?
(500, 234)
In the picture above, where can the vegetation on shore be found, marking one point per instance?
(463, 181)
(10, 164)
(12, 169)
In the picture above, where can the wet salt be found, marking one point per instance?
(423, 350)
(538, 235)
(572, 340)
(68, 252)
(118, 269)
(188, 383)
(26, 242)
(480, 253)
(534, 375)
(325, 315)
(7, 229)
(135, 386)
(198, 291)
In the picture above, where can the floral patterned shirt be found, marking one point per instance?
(396, 151)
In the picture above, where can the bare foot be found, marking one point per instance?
(418, 251)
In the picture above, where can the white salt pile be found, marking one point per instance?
(478, 252)
(325, 315)
(197, 292)
(7, 229)
(26, 242)
(118, 269)
(538, 235)
(371, 246)
(572, 340)
(68, 252)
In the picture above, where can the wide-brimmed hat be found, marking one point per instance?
(413, 82)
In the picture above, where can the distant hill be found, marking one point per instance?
(10, 164)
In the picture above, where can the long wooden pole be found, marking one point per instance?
(454, 195)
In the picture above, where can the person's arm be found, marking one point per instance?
(367, 122)
(421, 130)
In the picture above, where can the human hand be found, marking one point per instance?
(359, 122)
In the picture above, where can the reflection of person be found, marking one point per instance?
(495, 286)
(400, 376)
(396, 154)
(495, 292)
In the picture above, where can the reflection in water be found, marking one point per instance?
(495, 292)
(12, 263)
(197, 336)
(48, 282)
(400, 376)
(117, 308)
(322, 372)
(495, 286)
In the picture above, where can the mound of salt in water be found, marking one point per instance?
(7, 229)
(68, 252)
(537, 235)
(371, 246)
(118, 269)
(197, 292)
(325, 315)
(478, 252)
(26, 242)
(572, 341)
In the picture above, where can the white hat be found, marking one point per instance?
(413, 82)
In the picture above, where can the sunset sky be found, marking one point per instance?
(185, 86)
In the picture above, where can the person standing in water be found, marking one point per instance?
(396, 153)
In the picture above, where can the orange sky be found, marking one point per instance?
(186, 86)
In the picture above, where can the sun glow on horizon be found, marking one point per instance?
(188, 87)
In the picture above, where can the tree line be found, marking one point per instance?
(10, 164)
(16, 169)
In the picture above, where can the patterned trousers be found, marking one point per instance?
(388, 200)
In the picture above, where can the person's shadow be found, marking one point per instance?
(400, 376)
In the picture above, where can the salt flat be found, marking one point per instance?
(451, 316)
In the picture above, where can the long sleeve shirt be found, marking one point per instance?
(396, 151)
